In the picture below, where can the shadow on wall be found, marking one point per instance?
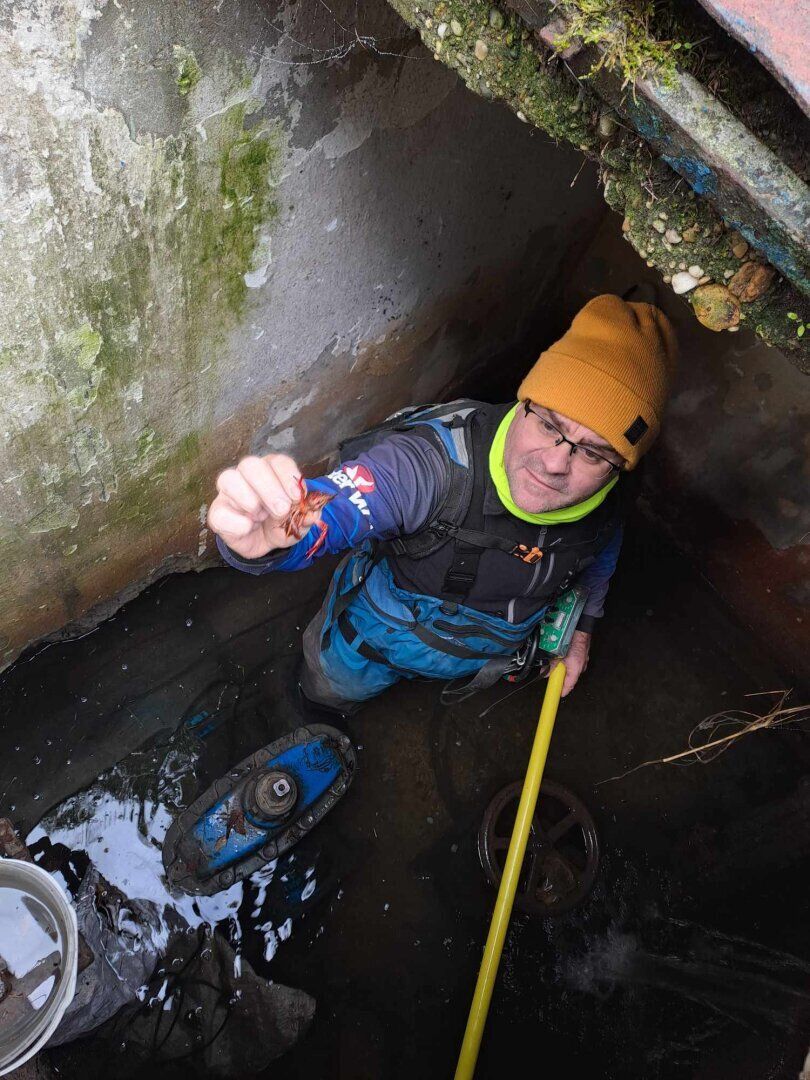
(472, 342)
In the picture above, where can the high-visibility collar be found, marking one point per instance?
(497, 471)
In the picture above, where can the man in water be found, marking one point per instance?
(464, 522)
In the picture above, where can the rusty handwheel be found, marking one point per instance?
(562, 854)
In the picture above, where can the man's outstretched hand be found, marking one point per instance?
(576, 660)
(253, 503)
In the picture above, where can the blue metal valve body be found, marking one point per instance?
(220, 838)
(227, 832)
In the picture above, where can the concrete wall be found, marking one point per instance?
(227, 226)
(730, 477)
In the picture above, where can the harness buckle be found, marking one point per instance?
(444, 528)
(526, 554)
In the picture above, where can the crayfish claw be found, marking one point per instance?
(323, 529)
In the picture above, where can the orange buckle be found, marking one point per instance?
(528, 555)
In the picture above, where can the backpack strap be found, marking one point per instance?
(453, 433)
(448, 429)
(446, 421)
(467, 546)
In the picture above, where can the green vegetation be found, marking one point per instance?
(498, 56)
(624, 32)
(188, 70)
(123, 386)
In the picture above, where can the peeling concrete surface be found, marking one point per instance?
(211, 218)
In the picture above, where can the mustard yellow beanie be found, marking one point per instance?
(611, 371)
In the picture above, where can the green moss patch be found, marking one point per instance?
(624, 31)
(189, 72)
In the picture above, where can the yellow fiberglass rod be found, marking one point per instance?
(506, 893)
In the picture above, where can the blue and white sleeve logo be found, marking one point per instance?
(361, 480)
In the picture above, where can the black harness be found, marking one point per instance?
(443, 559)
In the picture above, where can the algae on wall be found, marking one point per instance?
(126, 259)
(157, 155)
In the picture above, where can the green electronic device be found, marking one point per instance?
(552, 636)
(560, 621)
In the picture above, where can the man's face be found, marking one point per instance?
(545, 477)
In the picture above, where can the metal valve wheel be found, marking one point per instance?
(562, 854)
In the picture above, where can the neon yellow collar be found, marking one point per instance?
(497, 471)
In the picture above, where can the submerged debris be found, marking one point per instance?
(121, 822)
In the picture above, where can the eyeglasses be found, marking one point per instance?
(590, 460)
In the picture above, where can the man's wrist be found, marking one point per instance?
(270, 561)
(259, 558)
(586, 624)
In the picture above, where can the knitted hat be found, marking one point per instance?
(611, 371)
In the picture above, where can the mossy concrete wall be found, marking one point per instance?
(498, 56)
(228, 227)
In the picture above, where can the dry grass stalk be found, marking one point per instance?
(741, 721)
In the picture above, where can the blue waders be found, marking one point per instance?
(369, 634)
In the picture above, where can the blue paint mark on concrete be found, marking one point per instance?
(776, 253)
(701, 178)
(649, 126)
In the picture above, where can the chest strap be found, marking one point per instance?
(471, 541)
(469, 545)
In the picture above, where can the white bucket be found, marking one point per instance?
(39, 947)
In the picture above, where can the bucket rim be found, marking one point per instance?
(16, 873)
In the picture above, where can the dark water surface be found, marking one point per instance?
(691, 959)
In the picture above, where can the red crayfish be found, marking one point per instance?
(310, 502)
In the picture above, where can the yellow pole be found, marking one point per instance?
(506, 893)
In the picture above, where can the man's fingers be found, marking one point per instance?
(240, 494)
(287, 472)
(253, 507)
(571, 676)
(262, 478)
(228, 522)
